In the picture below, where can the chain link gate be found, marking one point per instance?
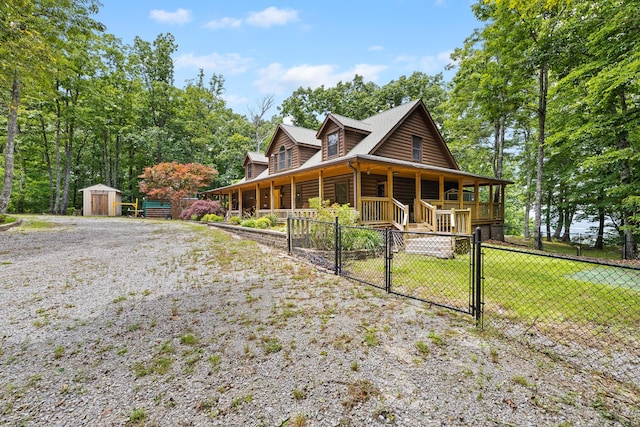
(440, 269)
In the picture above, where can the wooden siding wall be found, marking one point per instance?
(430, 190)
(285, 197)
(307, 190)
(329, 188)
(369, 184)
(404, 190)
(305, 153)
(351, 139)
(258, 169)
(400, 146)
(248, 199)
(265, 199)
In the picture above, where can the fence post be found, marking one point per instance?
(337, 248)
(387, 260)
(289, 236)
(478, 306)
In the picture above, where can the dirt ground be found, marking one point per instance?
(107, 321)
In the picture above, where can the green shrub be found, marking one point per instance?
(360, 238)
(273, 220)
(235, 220)
(263, 223)
(195, 217)
(250, 223)
(212, 218)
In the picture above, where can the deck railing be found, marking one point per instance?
(400, 215)
(375, 210)
(428, 213)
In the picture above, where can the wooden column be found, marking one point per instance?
(491, 201)
(271, 201)
(320, 186)
(390, 192)
(460, 194)
(358, 189)
(441, 191)
(476, 190)
(417, 209)
(230, 201)
(240, 201)
(293, 194)
(502, 188)
(258, 201)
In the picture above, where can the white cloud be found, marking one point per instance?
(279, 80)
(272, 16)
(230, 63)
(224, 23)
(235, 100)
(426, 64)
(180, 16)
(375, 48)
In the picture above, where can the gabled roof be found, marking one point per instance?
(100, 187)
(254, 157)
(345, 123)
(383, 125)
(300, 136)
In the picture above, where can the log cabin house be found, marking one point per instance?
(394, 168)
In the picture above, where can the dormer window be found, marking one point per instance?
(332, 144)
(417, 149)
(249, 171)
(281, 158)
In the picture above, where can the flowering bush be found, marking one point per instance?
(202, 207)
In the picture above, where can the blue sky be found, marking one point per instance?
(272, 48)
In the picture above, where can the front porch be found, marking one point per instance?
(404, 197)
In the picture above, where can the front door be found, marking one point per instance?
(276, 198)
(100, 204)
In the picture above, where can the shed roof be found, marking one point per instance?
(100, 187)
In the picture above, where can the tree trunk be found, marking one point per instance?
(568, 219)
(56, 190)
(12, 132)
(600, 237)
(622, 143)
(498, 155)
(548, 215)
(558, 230)
(543, 82)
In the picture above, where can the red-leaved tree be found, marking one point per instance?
(174, 181)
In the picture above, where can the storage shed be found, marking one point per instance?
(101, 200)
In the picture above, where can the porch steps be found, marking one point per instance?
(435, 246)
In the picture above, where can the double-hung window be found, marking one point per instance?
(332, 144)
(417, 149)
(281, 158)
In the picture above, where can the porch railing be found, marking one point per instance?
(428, 213)
(400, 215)
(375, 210)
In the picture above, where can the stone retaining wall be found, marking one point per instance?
(266, 237)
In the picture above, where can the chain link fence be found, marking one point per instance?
(583, 312)
(580, 311)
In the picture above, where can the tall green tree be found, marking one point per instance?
(31, 35)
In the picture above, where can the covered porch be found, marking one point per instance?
(385, 192)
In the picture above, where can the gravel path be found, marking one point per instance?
(138, 322)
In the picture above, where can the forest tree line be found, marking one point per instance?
(545, 93)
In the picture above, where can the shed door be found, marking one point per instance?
(100, 204)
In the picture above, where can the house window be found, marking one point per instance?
(281, 161)
(332, 144)
(342, 192)
(248, 171)
(417, 149)
(275, 162)
(289, 158)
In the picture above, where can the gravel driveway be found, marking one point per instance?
(129, 321)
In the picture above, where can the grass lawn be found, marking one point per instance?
(609, 252)
(584, 301)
